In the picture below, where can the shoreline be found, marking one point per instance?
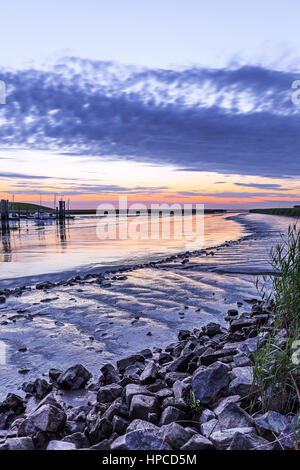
(197, 394)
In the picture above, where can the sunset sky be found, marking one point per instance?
(162, 101)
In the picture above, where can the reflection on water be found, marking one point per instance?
(2, 353)
(34, 248)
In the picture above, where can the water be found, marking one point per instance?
(32, 249)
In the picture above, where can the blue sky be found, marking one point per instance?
(156, 33)
(160, 99)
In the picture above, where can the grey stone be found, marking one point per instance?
(223, 402)
(149, 374)
(271, 424)
(110, 374)
(208, 383)
(222, 439)
(250, 441)
(207, 415)
(197, 442)
(175, 435)
(132, 389)
(109, 393)
(208, 427)
(171, 415)
(60, 445)
(78, 439)
(48, 418)
(140, 440)
(122, 364)
(233, 416)
(74, 377)
(19, 443)
(139, 424)
(142, 405)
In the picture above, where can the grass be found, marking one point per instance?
(287, 211)
(23, 207)
(276, 370)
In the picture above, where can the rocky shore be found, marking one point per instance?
(197, 394)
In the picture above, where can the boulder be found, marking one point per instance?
(78, 439)
(133, 389)
(172, 414)
(109, 393)
(271, 424)
(48, 418)
(140, 440)
(208, 427)
(222, 439)
(175, 435)
(250, 441)
(208, 382)
(142, 405)
(197, 442)
(207, 415)
(61, 445)
(74, 377)
(242, 384)
(233, 416)
(149, 374)
(19, 443)
(110, 374)
(122, 364)
(139, 424)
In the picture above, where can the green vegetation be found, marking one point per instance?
(287, 211)
(23, 207)
(277, 371)
(195, 404)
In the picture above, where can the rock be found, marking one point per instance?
(241, 360)
(39, 388)
(250, 441)
(2, 299)
(242, 384)
(143, 426)
(122, 364)
(13, 403)
(110, 374)
(100, 430)
(48, 418)
(207, 383)
(249, 346)
(207, 415)
(140, 440)
(119, 443)
(78, 439)
(233, 416)
(149, 374)
(197, 442)
(132, 389)
(183, 334)
(172, 377)
(175, 435)
(180, 364)
(142, 405)
(181, 389)
(147, 353)
(109, 393)
(172, 414)
(61, 445)
(271, 424)
(44, 285)
(19, 443)
(164, 358)
(223, 402)
(232, 313)
(74, 377)
(208, 427)
(212, 329)
(222, 439)
(239, 324)
(54, 374)
(119, 425)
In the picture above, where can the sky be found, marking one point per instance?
(162, 101)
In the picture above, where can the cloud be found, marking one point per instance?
(232, 121)
(20, 175)
(263, 186)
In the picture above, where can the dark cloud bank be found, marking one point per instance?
(239, 121)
